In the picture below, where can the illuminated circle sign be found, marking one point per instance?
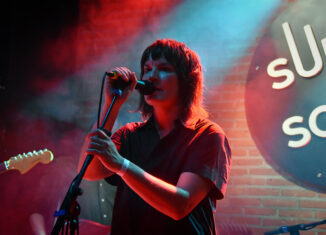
(286, 94)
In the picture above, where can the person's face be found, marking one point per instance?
(164, 77)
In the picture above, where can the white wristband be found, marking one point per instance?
(124, 167)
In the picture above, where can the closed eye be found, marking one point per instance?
(147, 68)
(166, 68)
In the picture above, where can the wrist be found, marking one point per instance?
(124, 167)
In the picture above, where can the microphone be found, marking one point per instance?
(144, 87)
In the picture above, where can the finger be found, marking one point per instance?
(108, 133)
(93, 133)
(94, 152)
(114, 74)
(100, 143)
(96, 145)
(96, 139)
(133, 79)
(122, 74)
(99, 133)
(125, 72)
(117, 75)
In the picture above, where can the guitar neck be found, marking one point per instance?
(2, 167)
(24, 162)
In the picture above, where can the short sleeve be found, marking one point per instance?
(210, 157)
(117, 138)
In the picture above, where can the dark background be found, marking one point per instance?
(29, 68)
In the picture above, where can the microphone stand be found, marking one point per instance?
(70, 209)
(294, 229)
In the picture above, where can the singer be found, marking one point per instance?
(171, 168)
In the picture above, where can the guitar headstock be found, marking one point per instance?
(24, 162)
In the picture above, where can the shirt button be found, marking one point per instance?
(101, 184)
(105, 215)
(102, 200)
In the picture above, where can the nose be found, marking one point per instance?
(153, 75)
(153, 79)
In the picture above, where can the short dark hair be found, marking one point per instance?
(190, 77)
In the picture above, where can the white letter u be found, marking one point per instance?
(295, 54)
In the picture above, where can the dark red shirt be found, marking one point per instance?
(202, 149)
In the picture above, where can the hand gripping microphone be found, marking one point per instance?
(144, 87)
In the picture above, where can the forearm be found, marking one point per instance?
(164, 197)
(112, 117)
(96, 170)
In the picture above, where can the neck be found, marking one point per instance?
(165, 119)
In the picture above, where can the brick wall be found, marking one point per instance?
(258, 198)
